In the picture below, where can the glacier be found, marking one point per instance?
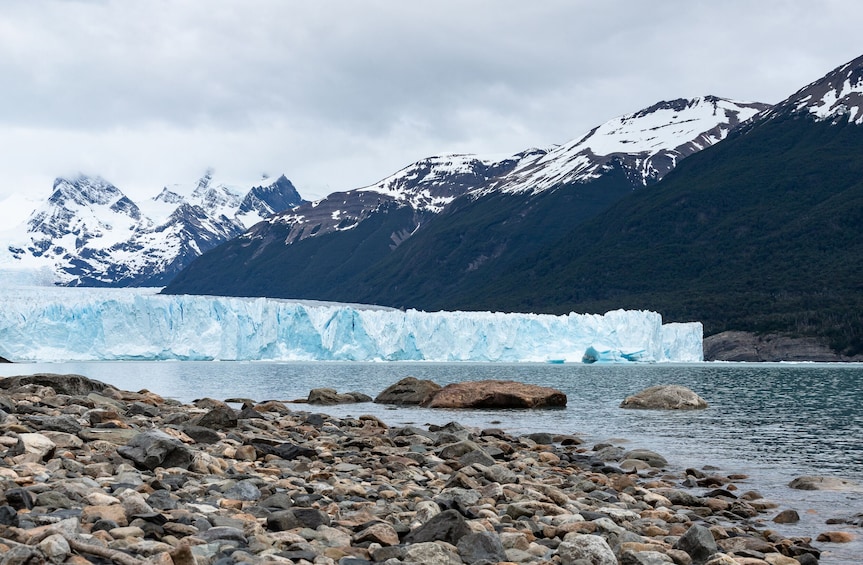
(40, 324)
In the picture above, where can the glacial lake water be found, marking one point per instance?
(772, 422)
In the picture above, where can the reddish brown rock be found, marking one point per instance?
(496, 394)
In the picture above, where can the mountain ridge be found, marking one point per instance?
(511, 194)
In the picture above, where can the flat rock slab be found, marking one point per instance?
(665, 397)
(807, 482)
(496, 394)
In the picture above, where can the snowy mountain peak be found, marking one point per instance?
(425, 187)
(83, 190)
(837, 97)
(83, 207)
(646, 144)
(89, 233)
(434, 182)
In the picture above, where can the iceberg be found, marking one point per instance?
(90, 324)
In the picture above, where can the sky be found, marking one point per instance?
(338, 94)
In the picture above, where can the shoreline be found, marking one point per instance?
(171, 482)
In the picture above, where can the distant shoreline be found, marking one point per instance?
(750, 347)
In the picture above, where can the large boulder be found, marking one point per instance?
(72, 385)
(409, 390)
(329, 396)
(698, 542)
(496, 394)
(155, 448)
(808, 482)
(585, 548)
(665, 397)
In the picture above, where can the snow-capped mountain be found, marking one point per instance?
(418, 232)
(836, 97)
(647, 144)
(88, 233)
(426, 187)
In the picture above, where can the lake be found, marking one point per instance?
(772, 422)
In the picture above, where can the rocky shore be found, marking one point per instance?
(92, 474)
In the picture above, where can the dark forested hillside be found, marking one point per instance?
(761, 232)
(476, 240)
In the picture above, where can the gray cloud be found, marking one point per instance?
(337, 94)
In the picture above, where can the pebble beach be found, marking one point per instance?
(93, 474)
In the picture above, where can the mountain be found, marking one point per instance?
(759, 233)
(421, 235)
(88, 233)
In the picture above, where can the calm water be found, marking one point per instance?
(771, 421)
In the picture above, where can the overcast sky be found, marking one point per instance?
(337, 94)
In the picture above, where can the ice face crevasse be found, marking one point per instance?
(83, 324)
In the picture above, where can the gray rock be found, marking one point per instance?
(329, 396)
(698, 542)
(476, 456)
(22, 555)
(449, 526)
(681, 497)
(481, 547)
(219, 418)
(142, 409)
(8, 516)
(244, 490)
(73, 385)
(542, 438)
(630, 557)
(578, 548)
(155, 448)
(458, 499)
(429, 553)
(279, 500)
(55, 548)
(66, 424)
(808, 482)
(665, 397)
(610, 453)
(54, 499)
(201, 434)
(222, 533)
(456, 450)
(19, 499)
(409, 390)
(297, 518)
(650, 457)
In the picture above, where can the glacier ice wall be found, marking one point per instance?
(83, 324)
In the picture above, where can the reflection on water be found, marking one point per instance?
(772, 421)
